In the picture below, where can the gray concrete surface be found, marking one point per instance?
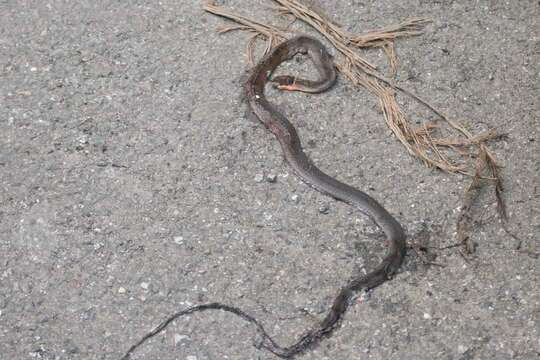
(129, 187)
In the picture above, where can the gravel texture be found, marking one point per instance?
(133, 185)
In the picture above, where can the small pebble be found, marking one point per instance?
(324, 209)
(179, 240)
(178, 338)
(271, 178)
(295, 198)
(121, 290)
(427, 316)
(462, 349)
(258, 178)
(145, 285)
(191, 357)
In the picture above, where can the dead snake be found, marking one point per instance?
(309, 173)
(285, 132)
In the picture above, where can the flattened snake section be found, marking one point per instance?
(309, 173)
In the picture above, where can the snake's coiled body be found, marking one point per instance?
(302, 166)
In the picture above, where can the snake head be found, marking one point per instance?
(285, 82)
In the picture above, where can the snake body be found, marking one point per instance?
(292, 149)
(304, 168)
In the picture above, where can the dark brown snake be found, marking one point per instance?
(309, 173)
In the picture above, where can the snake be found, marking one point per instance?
(303, 167)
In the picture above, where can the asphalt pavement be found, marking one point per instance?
(132, 185)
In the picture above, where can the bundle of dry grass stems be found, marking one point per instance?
(465, 153)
